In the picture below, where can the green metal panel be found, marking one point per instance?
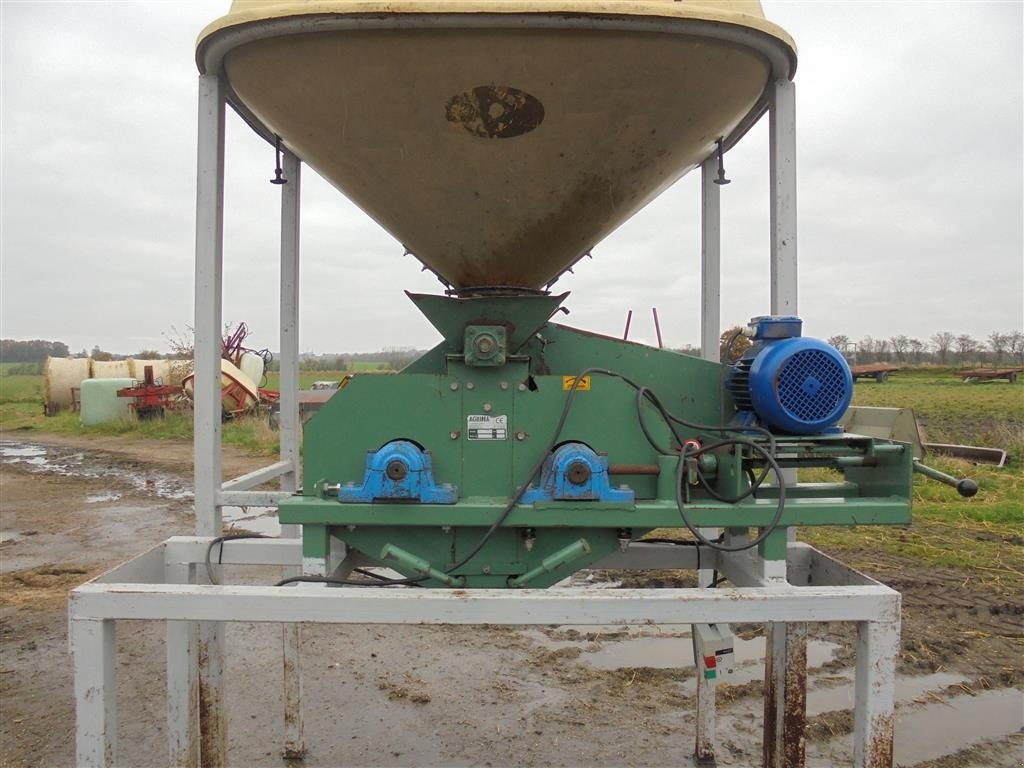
(373, 410)
(487, 428)
(892, 510)
(503, 556)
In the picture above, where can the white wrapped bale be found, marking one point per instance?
(111, 369)
(60, 375)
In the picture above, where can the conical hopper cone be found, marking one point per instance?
(498, 147)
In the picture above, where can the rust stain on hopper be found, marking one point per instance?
(495, 111)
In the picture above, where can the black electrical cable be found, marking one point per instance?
(779, 507)
(755, 483)
(669, 418)
(220, 555)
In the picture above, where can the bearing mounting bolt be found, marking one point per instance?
(487, 407)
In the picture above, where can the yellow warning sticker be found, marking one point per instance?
(568, 381)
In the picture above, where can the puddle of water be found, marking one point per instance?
(830, 698)
(68, 462)
(665, 652)
(96, 498)
(942, 729)
(21, 453)
(256, 519)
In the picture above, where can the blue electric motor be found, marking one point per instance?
(788, 383)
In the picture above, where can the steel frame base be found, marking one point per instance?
(159, 585)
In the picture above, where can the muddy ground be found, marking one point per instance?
(455, 695)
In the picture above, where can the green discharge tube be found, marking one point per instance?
(420, 566)
(551, 563)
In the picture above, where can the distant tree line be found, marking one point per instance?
(387, 359)
(35, 351)
(941, 348)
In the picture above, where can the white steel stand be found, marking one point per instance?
(164, 583)
(139, 589)
(204, 660)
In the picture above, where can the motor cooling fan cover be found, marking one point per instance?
(800, 386)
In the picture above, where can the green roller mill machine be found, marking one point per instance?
(499, 142)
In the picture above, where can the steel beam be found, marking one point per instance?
(253, 499)
(288, 434)
(92, 648)
(182, 681)
(878, 645)
(260, 476)
(785, 695)
(356, 605)
(288, 417)
(782, 179)
(710, 261)
(207, 394)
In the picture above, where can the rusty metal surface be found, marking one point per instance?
(212, 725)
(294, 729)
(768, 749)
(878, 751)
(634, 469)
(794, 700)
(785, 696)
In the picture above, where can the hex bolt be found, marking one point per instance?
(521, 387)
(453, 386)
(487, 407)
(470, 385)
(486, 569)
(350, 527)
(454, 434)
(446, 529)
(503, 386)
(520, 436)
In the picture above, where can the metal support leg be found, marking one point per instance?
(207, 397)
(288, 433)
(704, 751)
(878, 645)
(710, 333)
(182, 682)
(288, 429)
(710, 262)
(785, 695)
(92, 647)
(782, 170)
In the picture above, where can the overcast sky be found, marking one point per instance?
(910, 192)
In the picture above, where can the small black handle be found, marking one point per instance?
(964, 486)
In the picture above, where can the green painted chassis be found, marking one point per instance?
(429, 402)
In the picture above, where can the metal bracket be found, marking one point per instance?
(486, 346)
(401, 470)
(574, 472)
